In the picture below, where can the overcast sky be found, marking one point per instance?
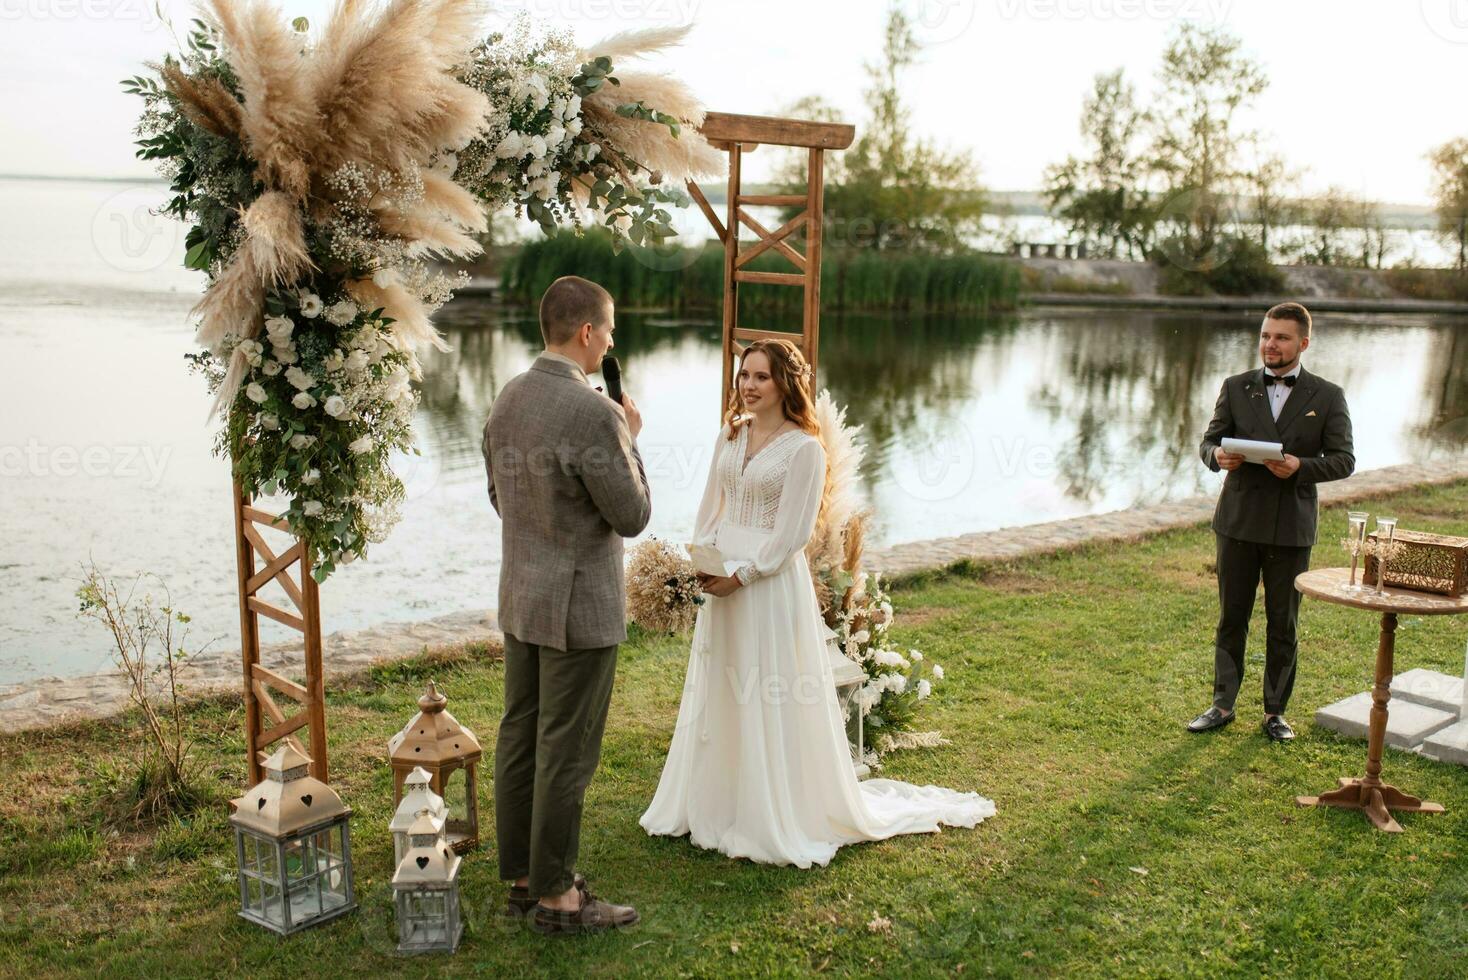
(1360, 89)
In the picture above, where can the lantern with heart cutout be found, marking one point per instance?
(293, 844)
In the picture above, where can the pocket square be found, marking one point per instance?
(1310, 413)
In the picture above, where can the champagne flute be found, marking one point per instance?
(1355, 542)
(1386, 535)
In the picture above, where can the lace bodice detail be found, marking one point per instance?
(752, 494)
(778, 493)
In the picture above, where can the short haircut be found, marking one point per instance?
(1291, 311)
(569, 302)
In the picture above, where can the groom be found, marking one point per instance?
(1266, 515)
(568, 483)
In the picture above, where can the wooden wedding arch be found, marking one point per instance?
(266, 721)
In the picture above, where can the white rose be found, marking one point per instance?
(384, 277)
(916, 656)
(335, 406)
(310, 306)
(937, 672)
(285, 355)
(555, 136)
(341, 312)
(512, 147)
(280, 329)
(573, 128)
(365, 339)
(334, 360)
(252, 350)
(573, 108)
(537, 146)
(312, 508)
(255, 393)
(299, 379)
(924, 689)
(303, 400)
(356, 361)
(269, 422)
(536, 169)
(861, 636)
(270, 368)
(897, 682)
(311, 477)
(302, 441)
(362, 445)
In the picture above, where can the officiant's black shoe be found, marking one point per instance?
(594, 915)
(1209, 720)
(1277, 728)
(522, 903)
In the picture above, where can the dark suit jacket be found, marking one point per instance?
(1314, 425)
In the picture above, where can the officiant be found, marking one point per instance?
(1265, 521)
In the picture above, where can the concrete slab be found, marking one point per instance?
(1448, 744)
(1407, 724)
(1429, 687)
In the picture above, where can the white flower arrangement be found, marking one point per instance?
(896, 684)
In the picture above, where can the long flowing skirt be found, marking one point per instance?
(759, 766)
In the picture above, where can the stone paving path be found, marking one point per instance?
(51, 701)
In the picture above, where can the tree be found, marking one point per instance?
(896, 190)
(1268, 183)
(1101, 196)
(1450, 190)
(1328, 218)
(1206, 83)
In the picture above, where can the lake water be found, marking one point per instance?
(970, 424)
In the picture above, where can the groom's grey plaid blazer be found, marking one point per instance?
(568, 483)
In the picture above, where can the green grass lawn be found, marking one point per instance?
(1123, 844)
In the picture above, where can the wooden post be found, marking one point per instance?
(261, 685)
(815, 192)
(731, 285)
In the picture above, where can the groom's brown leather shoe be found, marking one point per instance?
(593, 916)
(522, 903)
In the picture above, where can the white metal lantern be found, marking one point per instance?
(850, 679)
(293, 844)
(426, 891)
(418, 797)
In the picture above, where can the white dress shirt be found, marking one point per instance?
(1278, 393)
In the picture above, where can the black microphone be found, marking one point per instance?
(611, 373)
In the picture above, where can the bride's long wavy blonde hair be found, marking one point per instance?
(792, 376)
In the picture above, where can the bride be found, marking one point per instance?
(759, 766)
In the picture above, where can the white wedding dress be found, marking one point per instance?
(759, 766)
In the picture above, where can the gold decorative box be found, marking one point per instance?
(1424, 562)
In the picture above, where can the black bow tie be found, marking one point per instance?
(1288, 382)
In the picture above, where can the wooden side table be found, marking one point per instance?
(1370, 795)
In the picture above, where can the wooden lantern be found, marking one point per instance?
(449, 753)
(294, 847)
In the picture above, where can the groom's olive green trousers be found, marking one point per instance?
(549, 744)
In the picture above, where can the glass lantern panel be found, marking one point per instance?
(254, 896)
(328, 849)
(455, 798)
(266, 865)
(299, 860)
